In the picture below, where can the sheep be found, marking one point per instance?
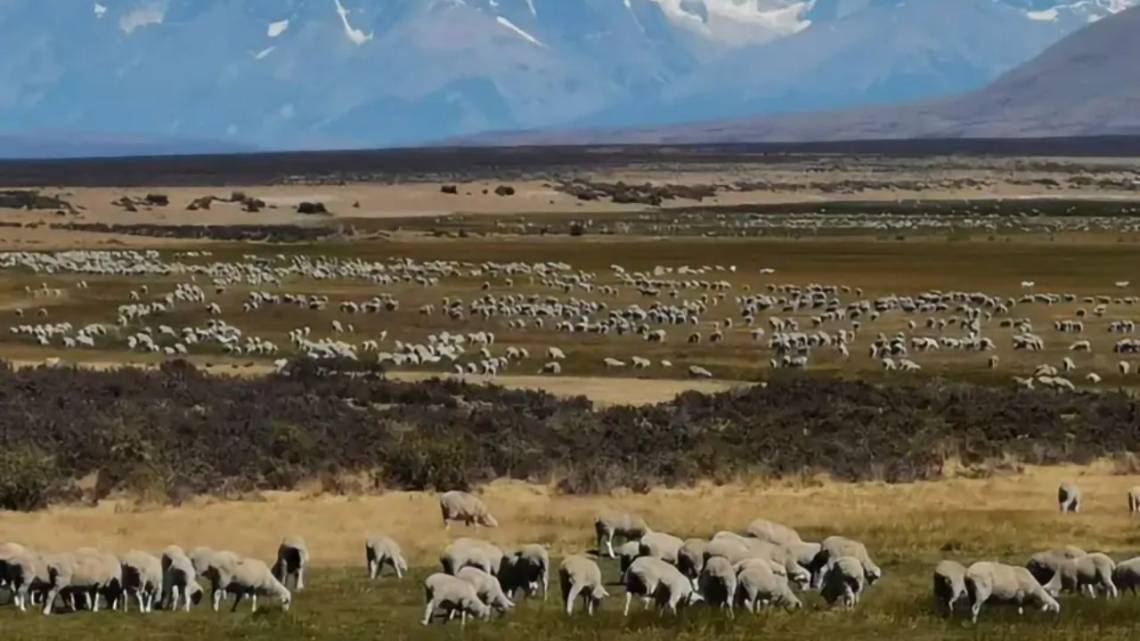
(755, 548)
(579, 575)
(1043, 565)
(380, 550)
(989, 581)
(1126, 576)
(660, 545)
(759, 582)
(292, 558)
(142, 578)
(718, 583)
(180, 580)
(1084, 573)
(785, 537)
(216, 567)
(88, 572)
(691, 558)
(834, 547)
(487, 587)
(1069, 497)
(651, 578)
(463, 552)
(843, 581)
(609, 524)
(555, 354)
(24, 572)
(628, 552)
(253, 578)
(527, 569)
(461, 506)
(949, 584)
(451, 594)
(1134, 499)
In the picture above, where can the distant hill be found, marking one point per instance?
(1088, 84)
(61, 145)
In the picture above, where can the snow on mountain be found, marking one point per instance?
(333, 73)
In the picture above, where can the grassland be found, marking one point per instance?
(907, 527)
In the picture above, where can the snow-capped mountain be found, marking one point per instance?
(332, 73)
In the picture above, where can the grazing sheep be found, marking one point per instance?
(253, 578)
(142, 579)
(610, 524)
(25, 574)
(527, 568)
(1126, 576)
(761, 583)
(463, 552)
(1044, 565)
(487, 587)
(87, 573)
(381, 550)
(718, 583)
(696, 371)
(1134, 499)
(451, 594)
(292, 559)
(651, 578)
(462, 506)
(216, 567)
(949, 584)
(1084, 574)
(691, 558)
(180, 579)
(660, 545)
(834, 547)
(999, 583)
(843, 581)
(628, 552)
(1069, 497)
(579, 575)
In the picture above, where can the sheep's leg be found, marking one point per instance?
(217, 597)
(571, 596)
(50, 599)
(373, 569)
(463, 618)
(628, 600)
(94, 596)
(237, 599)
(975, 609)
(610, 545)
(254, 600)
(399, 572)
(427, 613)
(300, 578)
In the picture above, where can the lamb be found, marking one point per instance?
(451, 594)
(760, 582)
(1084, 574)
(1134, 499)
(526, 568)
(24, 571)
(142, 578)
(88, 572)
(843, 581)
(292, 558)
(624, 524)
(1126, 576)
(487, 587)
(660, 545)
(1044, 565)
(462, 506)
(579, 575)
(718, 583)
(834, 547)
(651, 578)
(217, 567)
(988, 581)
(381, 550)
(253, 578)
(180, 581)
(691, 558)
(949, 584)
(463, 552)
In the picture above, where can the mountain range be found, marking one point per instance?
(115, 76)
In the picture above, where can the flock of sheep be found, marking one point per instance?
(784, 325)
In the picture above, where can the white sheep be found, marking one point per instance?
(762, 582)
(466, 507)
(844, 581)
(696, 371)
(24, 571)
(292, 559)
(1084, 574)
(380, 550)
(487, 587)
(717, 583)
(86, 572)
(949, 584)
(834, 547)
(1134, 499)
(660, 545)
(142, 578)
(691, 558)
(1126, 576)
(451, 594)
(610, 524)
(464, 551)
(1043, 565)
(253, 578)
(180, 580)
(579, 575)
(527, 568)
(988, 582)
(217, 568)
(1069, 497)
(651, 578)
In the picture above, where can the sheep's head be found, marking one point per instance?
(488, 520)
(599, 593)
